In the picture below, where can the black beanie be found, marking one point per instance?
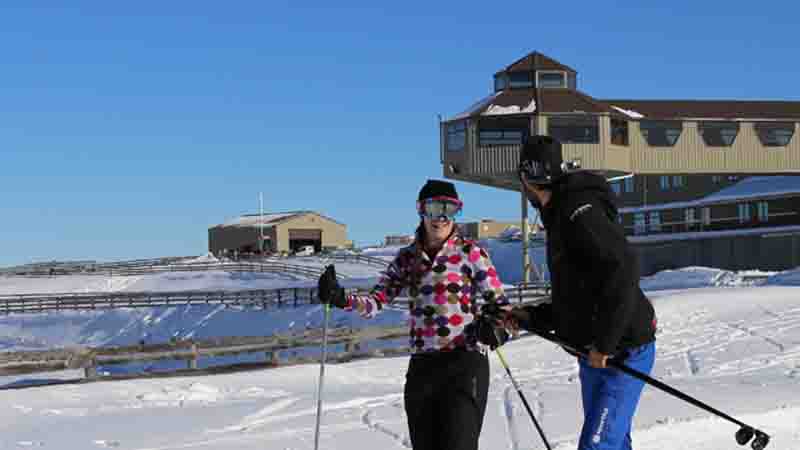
(437, 188)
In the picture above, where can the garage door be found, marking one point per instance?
(305, 235)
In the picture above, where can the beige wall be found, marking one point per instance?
(691, 155)
(236, 237)
(496, 165)
(333, 234)
(486, 229)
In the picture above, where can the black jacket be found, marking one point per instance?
(594, 272)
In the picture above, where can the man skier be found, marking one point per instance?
(597, 305)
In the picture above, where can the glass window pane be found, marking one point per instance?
(638, 223)
(456, 135)
(574, 129)
(519, 80)
(629, 184)
(500, 137)
(718, 134)
(552, 79)
(619, 132)
(500, 82)
(661, 133)
(775, 134)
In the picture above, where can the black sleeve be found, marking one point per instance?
(610, 266)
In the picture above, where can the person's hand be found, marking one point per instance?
(328, 289)
(492, 323)
(597, 360)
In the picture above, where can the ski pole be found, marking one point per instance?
(522, 396)
(743, 435)
(322, 373)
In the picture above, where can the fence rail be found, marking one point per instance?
(274, 348)
(256, 298)
(267, 267)
(147, 268)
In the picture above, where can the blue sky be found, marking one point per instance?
(127, 129)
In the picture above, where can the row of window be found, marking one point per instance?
(665, 182)
(747, 213)
(586, 130)
(525, 80)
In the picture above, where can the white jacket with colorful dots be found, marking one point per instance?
(444, 294)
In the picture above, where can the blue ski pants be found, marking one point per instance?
(609, 400)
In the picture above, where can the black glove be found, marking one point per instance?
(491, 326)
(329, 290)
(536, 318)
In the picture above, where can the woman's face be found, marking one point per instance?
(439, 228)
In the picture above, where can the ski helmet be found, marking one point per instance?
(540, 160)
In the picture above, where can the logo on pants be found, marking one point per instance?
(596, 436)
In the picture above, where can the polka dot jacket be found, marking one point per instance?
(444, 294)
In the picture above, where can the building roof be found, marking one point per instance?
(536, 61)
(748, 188)
(268, 219)
(521, 101)
(710, 109)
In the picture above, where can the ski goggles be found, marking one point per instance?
(533, 171)
(440, 207)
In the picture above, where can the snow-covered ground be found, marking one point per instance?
(736, 348)
(722, 339)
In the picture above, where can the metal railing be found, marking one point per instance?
(144, 269)
(253, 298)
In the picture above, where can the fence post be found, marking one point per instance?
(90, 371)
(195, 356)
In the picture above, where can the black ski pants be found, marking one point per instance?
(445, 399)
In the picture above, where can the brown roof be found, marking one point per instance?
(722, 109)
(536, 61)
(550, 101)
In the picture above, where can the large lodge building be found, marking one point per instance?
(696, 169)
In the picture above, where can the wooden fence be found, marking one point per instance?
(252, 298)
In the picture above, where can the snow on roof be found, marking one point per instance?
(496, 110)
(628, 112)
(751, 187)
(475, 107)
(249, 220)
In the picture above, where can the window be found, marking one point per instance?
(678, 181)
(500, 137)
(688, 216)
(775, 134)
(718, 134)
(619, 132)
(655, 221)
(629, 184)
(733, 177)
(763, 211)
(456, 135)
(706, 216)
(519, 80)
(716, 179)
(574, 129)
(661, 133)
(500, 82)
(638, 223)
(663, 182)
(552, 79)
(615, 186)
(744, 212)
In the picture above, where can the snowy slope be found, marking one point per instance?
(736, 348)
